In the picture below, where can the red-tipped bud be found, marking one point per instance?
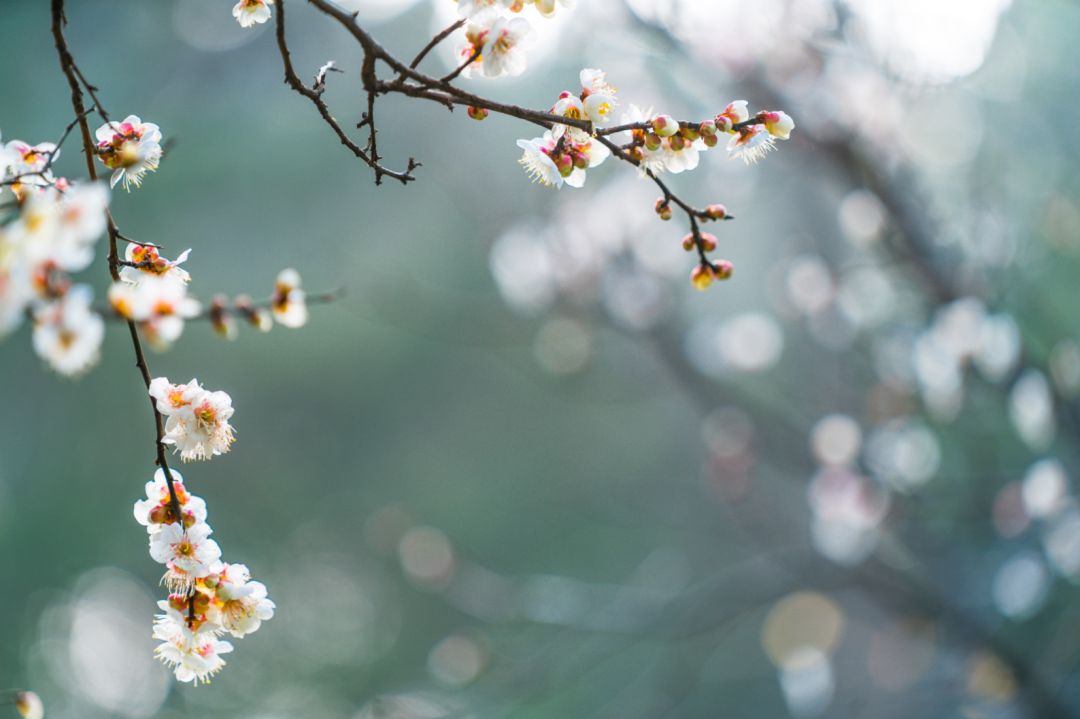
(702, 277)
(689, 133)
(159, 515)
(710, 140)
(161, 263)
(707, 128)
(723, 269)
(679, 143)
(652, 141)
(565, 94)
(189, 519)
(211, 581)
(663, 209)
(665, 125)
(708, 242)
(581, 160)
(477, 113)
(723, 123)
(688, 242)
(564, 164)
(177, 602)
(716, 212)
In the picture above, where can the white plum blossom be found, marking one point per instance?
(506, 47)
(239, 604)
(197, 662)
(683, 157)
(288, 303)
(480, 11)
(130, 148)
(198, 425)
(598, 96)
(572, 107)
(188, 554)
(751, 143)
(779, 124)
(160, 302)
(156, 509)
(250, 12)
(538, 163)
(156, 265)
(473, 45)
(25, 157)
(68, 334)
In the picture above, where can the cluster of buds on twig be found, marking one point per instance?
(287, 306)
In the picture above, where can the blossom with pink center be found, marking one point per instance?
(130, 148)
(506, 47)
(153, 265)
(471, 49)
(239, 604)
(188, 554)
(156, 509)
(68, 334)
(751, 143)
(25, 157)
(288, 303)
(250, 12)
(537, 160)
(733, 114)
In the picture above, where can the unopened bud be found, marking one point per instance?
(716, 212)
(201, 603)
(189, 519)
(678, 143)
(688, 242)
(635, 153)
(689, 133)
(564, 164)
(477, 113)
(707, 128)
(160, 515)
(581, 160)
(702, 277)
(710, 140)
(29, 705)
(62, 184)
(663, 209)
(723, 123)
(177, 602)
(723, 269)
(262, 320)
(652, 141)
(665, 125)
(708, 242)
(211, 581)
(565, 94)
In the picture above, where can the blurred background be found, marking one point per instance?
(523, 469)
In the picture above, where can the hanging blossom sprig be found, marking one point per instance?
(208, 597)
(576, 136)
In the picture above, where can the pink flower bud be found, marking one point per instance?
(635, 153)
(702, 277)
(159, 514)
(663, 209)
(716, 212)
(565, 94)
(665, 125)
(708, 242)
(581, 160)
(177, 602)
(707, 128)
(710, 140)
(652, 141)
(564, 164)
(723, 124)
(688, 242)
(477, 113)
(678, 143)
(689, 133)
(778, 124)
(212, 581)
(722, 269)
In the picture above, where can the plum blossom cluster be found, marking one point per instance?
(198, 420)
(153, 292)
(49, 232)
(496, 43)
(208, 597)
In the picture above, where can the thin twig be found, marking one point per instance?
(463, 66)
(435, 41)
